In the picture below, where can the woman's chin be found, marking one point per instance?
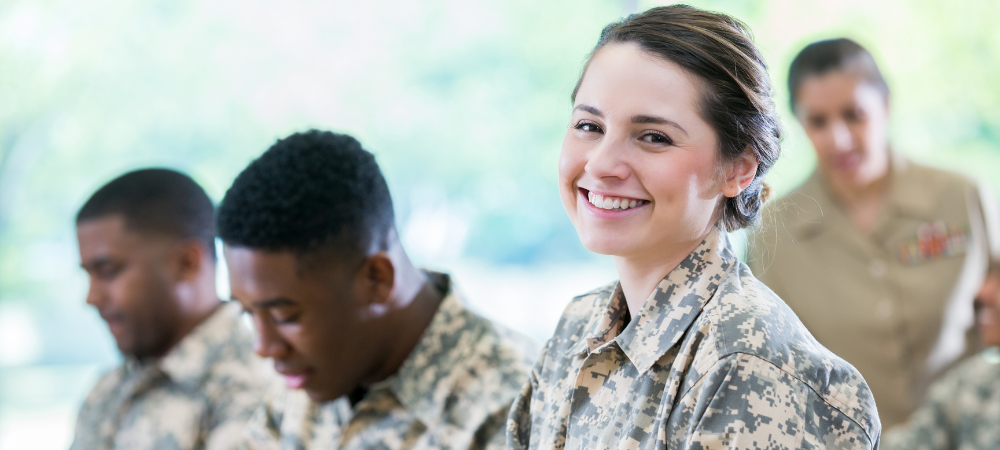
(604, 245)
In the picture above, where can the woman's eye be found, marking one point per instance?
(656, 138)
(588, 127)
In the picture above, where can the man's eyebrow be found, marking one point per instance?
(589, 109)
(96, 262)
(274, 303)
(641, 118)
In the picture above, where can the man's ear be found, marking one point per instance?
(189, 259)
(378, 278)
(739, 174)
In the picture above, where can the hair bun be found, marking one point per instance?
(765, 192)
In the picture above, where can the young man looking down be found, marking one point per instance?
(375, 352)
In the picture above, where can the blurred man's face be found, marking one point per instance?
(130, 284)
(313, 322)
(846, 118)
(988, 310)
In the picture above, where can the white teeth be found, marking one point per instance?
(603, 202)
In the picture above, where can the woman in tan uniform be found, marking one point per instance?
(672, 130)
(879, 257)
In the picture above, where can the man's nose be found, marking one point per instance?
(96, 295)
(268, 343)
(989, 292)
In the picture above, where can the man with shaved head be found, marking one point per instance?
(190, 378)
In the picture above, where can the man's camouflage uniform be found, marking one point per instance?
(714, 360)
(452, 392)
(961, 412)
(198, 396)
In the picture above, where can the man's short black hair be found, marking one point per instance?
(158, 201)
(309, 192)
(821, 57)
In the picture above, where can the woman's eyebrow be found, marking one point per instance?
(589, 109)
(641, 118)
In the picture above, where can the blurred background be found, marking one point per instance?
(464, 102)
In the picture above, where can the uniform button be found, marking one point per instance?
(876, 268)
(883, 309)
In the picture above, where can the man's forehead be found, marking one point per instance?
(101, 226)
(111, 234)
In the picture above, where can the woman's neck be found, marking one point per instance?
(862, 202)
(639, 275)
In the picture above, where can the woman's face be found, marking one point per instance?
(639, 171)
(846, 118)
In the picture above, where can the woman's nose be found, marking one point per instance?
(841, 134)
(606, 160)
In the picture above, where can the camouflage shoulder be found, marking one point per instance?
(748, 318)
(491, 379)
(585, 307)
(978, 373)
(743, 400)
(109, 382)
(581, 311)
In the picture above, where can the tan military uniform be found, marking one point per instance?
(452, 392)
(199, 396)
(714, 360)
(896, 304)
(961, 412)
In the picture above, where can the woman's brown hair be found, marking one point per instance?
(737, 101)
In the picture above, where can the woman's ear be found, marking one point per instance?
(739, 174)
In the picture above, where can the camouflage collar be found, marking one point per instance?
(425, 381)
(668, 312)
(190, 361)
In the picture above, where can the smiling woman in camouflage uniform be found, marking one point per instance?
(672, 131)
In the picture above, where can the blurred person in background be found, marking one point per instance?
(375, 353)
(962, 409)
(879, 257)
(672, 131)
(190, 379)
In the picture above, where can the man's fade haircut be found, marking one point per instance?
(160, 201)
(313, 193)
(841, 54)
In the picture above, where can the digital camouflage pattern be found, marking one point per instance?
(961, 412)
(198, 396)
(452, 392)
(714, 360)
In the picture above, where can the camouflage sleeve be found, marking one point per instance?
(232, 408)
(519, 419)
(929, 427)
(92, 417)
(263, 430)
(745, 402)
(492, 434)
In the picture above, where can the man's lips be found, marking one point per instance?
(115, 322)
(295, 378)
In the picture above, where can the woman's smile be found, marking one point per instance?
(605, 205)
